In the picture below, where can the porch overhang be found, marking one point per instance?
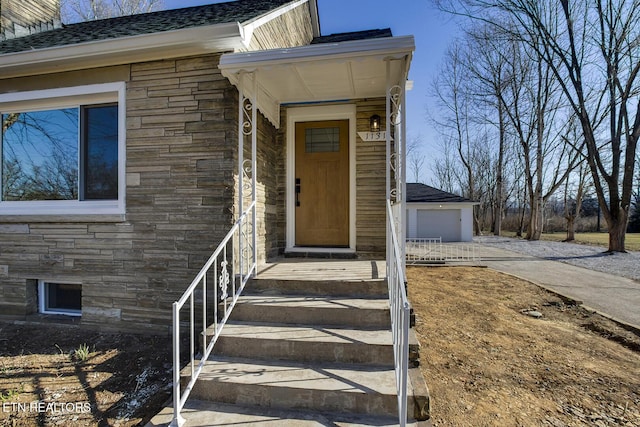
(321, 72)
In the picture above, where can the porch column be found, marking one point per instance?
(396, 155)
(247, 168)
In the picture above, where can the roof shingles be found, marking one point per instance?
(147, 23)
(355, 35)
(421, 193)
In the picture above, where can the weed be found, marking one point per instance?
(82, 353)
(10, 394)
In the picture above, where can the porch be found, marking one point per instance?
(298, 336)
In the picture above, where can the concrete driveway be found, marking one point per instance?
(613, 296)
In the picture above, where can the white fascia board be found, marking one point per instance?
(248, 27)
(315, 17)
(389, 47)
(212, 38)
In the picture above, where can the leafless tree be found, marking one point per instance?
(455, 124)
(90, 10)
(573, 199)
(592, 47)
(415, 158)
(487, 67)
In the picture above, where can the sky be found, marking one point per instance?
(432, 30)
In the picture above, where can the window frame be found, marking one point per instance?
(43, 293)
(78, 96)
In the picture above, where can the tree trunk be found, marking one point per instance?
(497, 224)
(535, 219)
(571, 228)
(476, 222)
(617, 230)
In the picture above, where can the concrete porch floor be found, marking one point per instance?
(322, 269)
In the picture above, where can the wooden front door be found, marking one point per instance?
(322, 183)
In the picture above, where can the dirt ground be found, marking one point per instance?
(489, 363)
(47, 380)
(486, 362)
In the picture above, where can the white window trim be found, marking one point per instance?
(61, 98)
(42, 301)
(316, 113)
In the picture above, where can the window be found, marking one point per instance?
(60, 298)
(63, 154)
(322, 140)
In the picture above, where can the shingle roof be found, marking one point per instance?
(147, 23)
(356, 35)
(421, 193)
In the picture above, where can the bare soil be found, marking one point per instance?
(47, 380)
(489, 363)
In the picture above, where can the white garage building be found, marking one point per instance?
(433, 213)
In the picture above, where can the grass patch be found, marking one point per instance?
(632, 241)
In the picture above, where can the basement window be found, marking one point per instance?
(60, 298)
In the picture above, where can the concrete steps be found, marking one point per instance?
(310, 310)
(306, 343)
(200, 413)
(298, 386)
(304, 353)
(375, 288)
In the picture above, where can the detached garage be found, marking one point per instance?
(433, 213)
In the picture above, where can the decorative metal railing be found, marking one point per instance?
(220, 283)
(400, 313)
(433, 250)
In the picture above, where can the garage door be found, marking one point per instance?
(443, 223)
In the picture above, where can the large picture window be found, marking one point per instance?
(64, 158)
(40, 154)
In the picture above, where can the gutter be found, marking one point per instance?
(161, 45)
(389, 47)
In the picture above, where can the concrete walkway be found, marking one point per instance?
(613, 296)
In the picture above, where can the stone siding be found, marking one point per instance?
(371, 169)
(27, 13)
(289, 29)
(181, 140)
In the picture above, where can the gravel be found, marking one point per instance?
(591, 257)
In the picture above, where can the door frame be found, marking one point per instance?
(310, 114)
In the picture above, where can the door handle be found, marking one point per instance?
(297, 191)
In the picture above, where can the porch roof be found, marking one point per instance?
(321, 72)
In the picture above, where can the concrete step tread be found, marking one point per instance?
(376, 288)
(204, 413)
(308, 333)
(315, 302)
(376, 380)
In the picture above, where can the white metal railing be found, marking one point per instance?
(221, 281)
(433, 250)
(400, 313)
(427, 249)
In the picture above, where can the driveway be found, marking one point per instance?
(611, 295)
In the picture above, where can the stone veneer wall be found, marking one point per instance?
(371, 213)
(289, 29)
(181, 170)
(27, 14)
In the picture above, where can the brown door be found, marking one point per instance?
(322, 183)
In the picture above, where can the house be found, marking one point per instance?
(131, 146)
(433, 213)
